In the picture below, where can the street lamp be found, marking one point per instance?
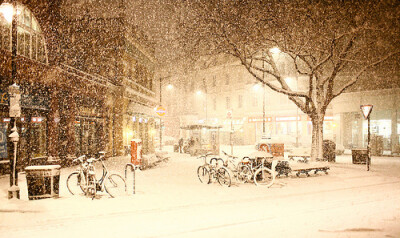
(366, 111)
(9, 12)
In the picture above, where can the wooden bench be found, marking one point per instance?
(306, 171)
(304, 157)
(303, 153)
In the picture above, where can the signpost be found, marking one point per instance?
(160, 110)
(366, 111)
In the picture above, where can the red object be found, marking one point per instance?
(136, 151)
(276, 149)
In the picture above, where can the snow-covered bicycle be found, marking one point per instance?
(209, 172)
(84, 181)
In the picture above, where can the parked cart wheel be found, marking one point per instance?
(224, 177)
(203, 174)
(76, 183)
(264, 177)
(244, 173)
(115, 185)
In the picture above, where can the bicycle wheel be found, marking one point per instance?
(223, 177)
(115, 185)
(91, 186)
(203, 174)
(243, 173)
(264, 177)
(76, 183)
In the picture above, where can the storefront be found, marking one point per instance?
(384, 120)
(32, 125)
(383, 127)
(291, 130)
(89, 126)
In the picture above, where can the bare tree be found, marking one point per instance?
(329, 44)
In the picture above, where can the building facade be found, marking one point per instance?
(233, 99)
(84, 79)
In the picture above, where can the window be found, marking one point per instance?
(240, 101)
(228, 102)
(255, 101)
(30, 40)
(215, 104)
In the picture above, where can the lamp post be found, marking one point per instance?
(160, 116)
(366, 111)
(9, 12)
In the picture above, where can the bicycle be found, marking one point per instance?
(83, 181)
(241, 170)
(209, 172)
(258, 172)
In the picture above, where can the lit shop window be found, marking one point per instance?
(30, 40)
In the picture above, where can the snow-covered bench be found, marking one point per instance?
(300, 154)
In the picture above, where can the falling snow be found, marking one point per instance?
(227, 75)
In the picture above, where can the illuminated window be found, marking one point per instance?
(240, 101)
(228, 102)
(30, 39)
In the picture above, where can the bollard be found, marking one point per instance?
(133, 168)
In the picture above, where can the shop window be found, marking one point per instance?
(38, 137)
(30, 40)
(255, 101)
(215, 104)
(240, 101)
(228, 102)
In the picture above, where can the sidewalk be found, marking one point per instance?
(163, 178)
(173, 187)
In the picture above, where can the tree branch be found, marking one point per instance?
(359, 73)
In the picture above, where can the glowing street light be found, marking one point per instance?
(7, 10)
(366, 111)
(275, 50)
(256, 87)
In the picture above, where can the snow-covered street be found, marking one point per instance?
(171, 202)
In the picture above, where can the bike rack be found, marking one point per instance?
(133, 168)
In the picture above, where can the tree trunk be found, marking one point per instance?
(317, 137)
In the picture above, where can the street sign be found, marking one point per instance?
(160, 110)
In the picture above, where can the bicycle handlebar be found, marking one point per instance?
(80, 158)
(231, 156)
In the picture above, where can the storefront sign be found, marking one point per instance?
(259, 119)
(35, 102)
(15, 100)
(27, 101)
(86, 111)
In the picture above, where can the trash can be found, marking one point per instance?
(329, 150)
(43, 181)
(176, 148)
(359, 156)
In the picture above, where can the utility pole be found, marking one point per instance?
(160, 116)
(14, 108)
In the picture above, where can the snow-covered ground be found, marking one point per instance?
(170, 201)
